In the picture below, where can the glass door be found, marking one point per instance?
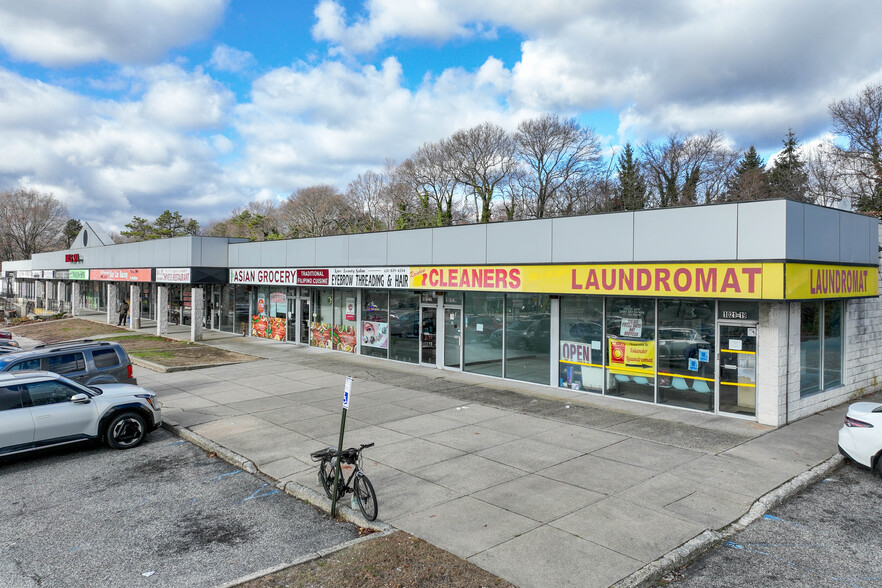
(453, 338)
(428, 334)
(737, 369)
(291, 315)
(304, 321)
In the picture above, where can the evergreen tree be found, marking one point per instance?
(631, 191)
(788, 178)
(750, 181)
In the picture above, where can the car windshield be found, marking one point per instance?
(4, 363)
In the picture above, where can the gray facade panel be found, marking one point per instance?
(234, 255)
(593, 239)
(519, 242)
(760, 234)
(249, 255)
(214, 253)
(459, 245)
(368, 249)
(332, 251)
(409, 247)
(856, 238)
(301, 253)
(700, 233)
(195, 247)
(795, 229)
(273, 254)
(821, 234)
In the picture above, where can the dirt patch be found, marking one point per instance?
(172, 353)
(64, 330)
(165, 352)
(395, 560)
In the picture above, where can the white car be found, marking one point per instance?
(860, 439)
(43, 409)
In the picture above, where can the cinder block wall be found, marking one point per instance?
(862, 362)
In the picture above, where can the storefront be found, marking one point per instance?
(762, 310)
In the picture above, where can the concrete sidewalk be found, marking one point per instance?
(537, 485)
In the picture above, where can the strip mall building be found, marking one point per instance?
(763, 310)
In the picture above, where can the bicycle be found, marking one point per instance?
(357, 483)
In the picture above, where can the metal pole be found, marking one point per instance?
(337, 470)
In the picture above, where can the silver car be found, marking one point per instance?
(44, 409)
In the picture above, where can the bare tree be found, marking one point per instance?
(30, 222)
(480, 158)
(859, 120)
(825, 185)
(429, 173)
(316, 211)
(556, 150)
(686, 171)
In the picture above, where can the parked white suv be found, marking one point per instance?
(43, 409)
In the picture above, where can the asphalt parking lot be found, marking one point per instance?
(828, 535)
(162, 514)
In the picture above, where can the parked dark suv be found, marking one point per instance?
(87, 362)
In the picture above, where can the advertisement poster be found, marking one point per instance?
(631, 353)
(320, 335)
(631, 327)
(261, 305)
(350, 309)
(375, 334)
(259, 325)
(344, 338)
(573, 352)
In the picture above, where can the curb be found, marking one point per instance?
(709, 539)
(162, 369)
(307, 495)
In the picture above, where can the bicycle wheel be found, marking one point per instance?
(366, 497)
(326, 476)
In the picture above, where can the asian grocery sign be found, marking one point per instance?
(349, 277)
(758, 280)
(805, 281)
(122, 275)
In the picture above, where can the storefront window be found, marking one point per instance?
(483, 318)
(581, 343)
(345, 336)
(243, 316)
(453, 298)
(686, 353)
(630, 348)
(404, 326)
(528, 337)
(322, 319)
(375, 323)
(820, 346)
(270, 313)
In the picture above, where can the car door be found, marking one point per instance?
(16, 423)
(70, 365)
(56, 418)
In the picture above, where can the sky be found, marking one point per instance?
(131, 107)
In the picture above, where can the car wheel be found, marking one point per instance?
(126, 430)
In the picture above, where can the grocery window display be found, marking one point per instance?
(344, 336)
(269, 320)
(322, 319)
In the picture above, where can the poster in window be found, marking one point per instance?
(631, 327)
(375, 334)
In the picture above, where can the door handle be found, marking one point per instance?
(42, 416)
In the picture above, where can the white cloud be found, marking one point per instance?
(226, 58)
(72, 32)
(186, 100)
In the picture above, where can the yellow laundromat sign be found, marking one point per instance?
(751, 281)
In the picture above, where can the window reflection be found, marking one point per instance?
(581, 343)
(483, 318)
(527, 337)
(686, 353)
(404, 326)
(630, 348)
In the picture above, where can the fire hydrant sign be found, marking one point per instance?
(346, 390)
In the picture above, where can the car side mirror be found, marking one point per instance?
(81, 398)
